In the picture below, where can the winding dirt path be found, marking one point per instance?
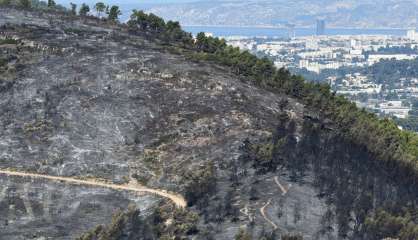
(263, 209)
(263, 213)
(281, 187)
(177, 199)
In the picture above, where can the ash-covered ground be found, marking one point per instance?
(79, 98)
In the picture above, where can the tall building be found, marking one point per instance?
(412, 35)
(291, 33)
(320, 27)
(353, 43)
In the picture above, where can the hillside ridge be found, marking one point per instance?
(90, 98)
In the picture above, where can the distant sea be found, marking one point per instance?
(226, 31)
(282, 32)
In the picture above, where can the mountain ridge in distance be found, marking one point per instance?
(302, 13)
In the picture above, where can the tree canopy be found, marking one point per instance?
(100, 7)
(84, 9)
(51, 3)
(114, 13)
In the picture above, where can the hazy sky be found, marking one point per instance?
(124, 2)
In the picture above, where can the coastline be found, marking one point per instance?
(283, 27)
(279, 32)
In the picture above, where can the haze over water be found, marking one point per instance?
(282, 32)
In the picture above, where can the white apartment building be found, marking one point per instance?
(377, 57)
(412, 35)
(394, 108)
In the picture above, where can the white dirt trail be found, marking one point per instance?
(263, 213)
(263, 209)
(177, 199)
(281, 187)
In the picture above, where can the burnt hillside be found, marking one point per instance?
(88, 99)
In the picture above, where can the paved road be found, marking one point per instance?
(175, 198)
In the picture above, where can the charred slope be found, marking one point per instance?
(82, 98)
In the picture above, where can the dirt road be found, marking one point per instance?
(175, 198)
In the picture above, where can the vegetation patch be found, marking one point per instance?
(3, 62)
(73, 31)
(142, 179)
(165, 139)
(8, 41)
(384, 225)
(37, 126)
(200, 184)
(152, 160)
(150, 156)
(166, 222)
